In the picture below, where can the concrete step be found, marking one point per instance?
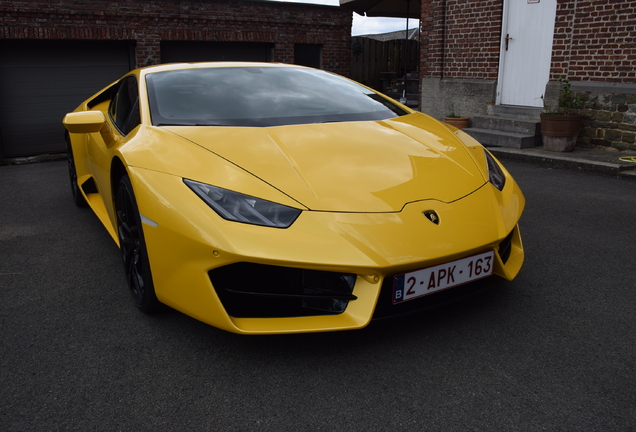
(508, 124)
(392, 90)
(489, 137)
(412, 103)
(592, 160)
(408, 98)
(514, 111)
(411, 98)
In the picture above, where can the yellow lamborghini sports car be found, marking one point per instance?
(269, 198)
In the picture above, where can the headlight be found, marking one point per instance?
(237, 207)
(495, 174)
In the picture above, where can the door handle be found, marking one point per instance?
(508, 38)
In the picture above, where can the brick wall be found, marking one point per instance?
(461, 38)
(151, 21)
(595, 48)
(595, 41)
(431, 38)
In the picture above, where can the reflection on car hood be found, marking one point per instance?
(371, 166)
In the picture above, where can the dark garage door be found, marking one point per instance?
(178, 51)
(40, 81)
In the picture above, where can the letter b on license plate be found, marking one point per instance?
(419, 283)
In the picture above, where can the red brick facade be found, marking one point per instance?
(594, 47)
(594, 40)
(460, 38)
(150, 22)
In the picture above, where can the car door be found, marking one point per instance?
(122, 117)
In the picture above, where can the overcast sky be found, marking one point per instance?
(363, 25)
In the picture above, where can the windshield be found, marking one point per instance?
(265, 96)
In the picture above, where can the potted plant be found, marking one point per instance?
(458, 121)
(560, 128)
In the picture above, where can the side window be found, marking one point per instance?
(124, 107)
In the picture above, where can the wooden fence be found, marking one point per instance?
(375, 63)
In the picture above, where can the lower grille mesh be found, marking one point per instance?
(250, 290)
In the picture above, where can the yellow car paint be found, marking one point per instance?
(381, 166)
(362, 188)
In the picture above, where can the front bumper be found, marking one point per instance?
(190, 244)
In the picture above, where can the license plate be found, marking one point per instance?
(419, 283)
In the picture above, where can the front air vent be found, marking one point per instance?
(250, 290)
(505, 247)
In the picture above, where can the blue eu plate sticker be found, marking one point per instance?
(398, 288)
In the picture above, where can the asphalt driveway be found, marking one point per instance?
(553, 350)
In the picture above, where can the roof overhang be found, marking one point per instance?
(384, 8)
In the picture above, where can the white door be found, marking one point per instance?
(526, 51)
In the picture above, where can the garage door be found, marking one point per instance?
(40, 81)
(178, 51)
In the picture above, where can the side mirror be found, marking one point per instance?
(84, 121)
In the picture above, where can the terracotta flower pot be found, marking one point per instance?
(458, 122)
(560, 131)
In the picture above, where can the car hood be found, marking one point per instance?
(372, 166)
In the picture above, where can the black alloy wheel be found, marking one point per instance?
(78, 198)
(133, 249)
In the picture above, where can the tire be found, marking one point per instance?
(133, 249)
(78, 198)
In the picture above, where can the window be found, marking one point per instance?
(124, 108)
(260, 97)
(307, 55)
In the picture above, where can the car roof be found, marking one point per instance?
(220, 64)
